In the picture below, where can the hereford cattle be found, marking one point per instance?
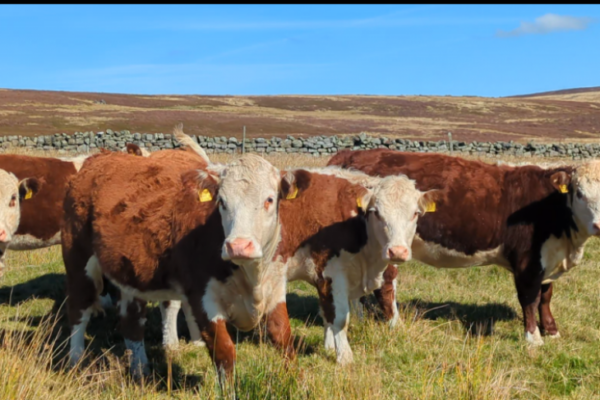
(12, 193)
(152, 226)
(347, 261)
(530, 220)
(343, 255)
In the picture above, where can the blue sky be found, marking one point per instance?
(402, 49)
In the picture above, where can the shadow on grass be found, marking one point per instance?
(478, 320)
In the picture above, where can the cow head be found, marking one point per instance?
(248, 199)
(12, 193)
(585, 203)
(393, 213)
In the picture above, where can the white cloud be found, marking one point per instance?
(549, 23)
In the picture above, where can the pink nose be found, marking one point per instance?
(2, 235)
(398, 253)
(240, 248)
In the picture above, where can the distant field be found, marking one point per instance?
(567, 115)
(460, 336)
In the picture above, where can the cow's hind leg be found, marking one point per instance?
(169, 311)
(327, 312)
(386, 295)
(84, 283)
(546, 319)
(133, 320)
(195, 336)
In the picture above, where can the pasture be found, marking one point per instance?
(460, 336)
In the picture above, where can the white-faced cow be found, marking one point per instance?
(530, 220)
(12, 194)
(328, 240)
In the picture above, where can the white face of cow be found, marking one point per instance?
(12, 192)
(9, 206)
(393, 213)
(586, 199)
(248, 198)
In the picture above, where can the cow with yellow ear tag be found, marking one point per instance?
(12, 193)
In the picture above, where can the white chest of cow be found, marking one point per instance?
(559, 255)
(246, 296)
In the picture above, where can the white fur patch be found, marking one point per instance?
(29, 242)
(535, 338)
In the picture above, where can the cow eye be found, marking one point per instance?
(376, 212)
(221, 203)
(579, 194)
(13, 201)
(415, 215)
(270, 200)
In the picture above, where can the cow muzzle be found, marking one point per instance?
(3, 235)
(241, 249)
(596, 227)
(397, 254)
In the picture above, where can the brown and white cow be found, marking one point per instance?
(344, 253)
(348, 261)
(12, 194)
(532, 221)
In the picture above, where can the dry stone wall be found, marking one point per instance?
(82, 142)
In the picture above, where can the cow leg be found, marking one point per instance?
(84, 283)
(133, 319)
(195, 336)
(3, 247)
(341, 311)
(169, 311)
(357, 307)
(529, 293)
(211, 321)
(547, 320)
(386, 295)
(280, 332)
(327, 311)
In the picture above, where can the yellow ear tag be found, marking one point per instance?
(205, 196)
(563, 189)
(28, 194)
(358, 202)
(292, 195)
(430, 207)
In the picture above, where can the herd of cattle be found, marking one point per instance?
(221, 241)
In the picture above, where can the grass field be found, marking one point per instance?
(460, 336)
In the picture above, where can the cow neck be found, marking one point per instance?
(373, 250)
(257, 271)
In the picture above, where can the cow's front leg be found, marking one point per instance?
(280, 332)
(341, 305)
(546, 319)
(529, 293)
(386, 295)
(210, 318)
(133, 319)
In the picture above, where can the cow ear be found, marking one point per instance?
(203, 185)
(293, 183)
(428, 201)
(363, 200)
(561, 180)
(29, 187)
(134, 149)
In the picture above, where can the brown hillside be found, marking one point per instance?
(31, 112)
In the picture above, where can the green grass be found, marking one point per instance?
(460, 336)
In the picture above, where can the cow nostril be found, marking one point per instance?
(597, 226)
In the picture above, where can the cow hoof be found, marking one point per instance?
(139, 372)
(535, 338)
(393, 322)
(199, 343)
(555, 336)
(345, 358)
